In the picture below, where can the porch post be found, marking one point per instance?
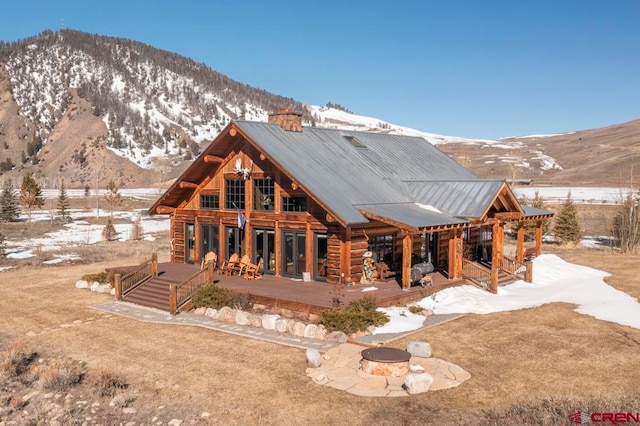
(497, 246)
(459, 253)
(277, 249)
(406, 261)
(309, 250)
(345, 255)
(452, 255)
(117, 283)
(520, 246)
(538, 238)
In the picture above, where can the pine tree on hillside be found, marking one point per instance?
(2, 246)
(568, 228)
(63, 203)
(30, 194)
(530, 227)
(9, 209)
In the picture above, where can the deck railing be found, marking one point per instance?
(124, 284)
(518, 269)
(180, 294)
(477, 274)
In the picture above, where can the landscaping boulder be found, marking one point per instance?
(314, 359)
(200, 311)
(337, 336)
(281, 325)
(211, 313)
(256, 320)
(417, 383)
(310, 331)
(298, 328)
(269, 321)
(82, 284)
(321, 332)
(243, 318)
(420, 349)
(227, 314)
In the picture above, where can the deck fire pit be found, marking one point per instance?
(385, 361)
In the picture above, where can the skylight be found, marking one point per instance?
(355, 142)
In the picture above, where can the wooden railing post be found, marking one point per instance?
(528, 274)
(117, 282)
(494, 280)
(173, 299)
(210, 272)
(154, 264)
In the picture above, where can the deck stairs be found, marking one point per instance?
(153, 293)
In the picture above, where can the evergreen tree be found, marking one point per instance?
(530, 227)
(567, 227)
(9, 210)
(30, 194)
(113, 197)
(2, 246)
(109, 231)
(63, 203)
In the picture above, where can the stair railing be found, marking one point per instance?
(180, 294)
(125, 284)
(511, 266)
(477, 274)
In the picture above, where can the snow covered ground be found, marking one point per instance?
(554, 281)
(579, 195)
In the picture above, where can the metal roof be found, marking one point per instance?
(469, 198)
(326, 163)
(411, 214)
(534, 211)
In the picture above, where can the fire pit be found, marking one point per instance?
(385, 361)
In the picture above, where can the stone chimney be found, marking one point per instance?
(288, 119)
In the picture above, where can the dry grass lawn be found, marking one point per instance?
(513, 357)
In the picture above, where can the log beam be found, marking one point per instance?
(406, 261)
(165, 210)
(213, 159)
(184, 184)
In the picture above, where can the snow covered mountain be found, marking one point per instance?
(88, 108)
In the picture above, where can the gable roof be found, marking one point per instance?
(358, 176)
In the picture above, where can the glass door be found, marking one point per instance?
(320, 257)
(208, 239)
(293, 253)
(189, 243)
(235, 240)
(264, 249)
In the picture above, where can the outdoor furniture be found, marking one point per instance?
(209, 257)
(239, 267)
(228, 266)
(251, 270)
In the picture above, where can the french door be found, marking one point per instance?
(264, 248)
(234, 241)
(320, 257)
(293, 253)
(189, 243)
(208, 239)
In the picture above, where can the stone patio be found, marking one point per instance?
(341, 370)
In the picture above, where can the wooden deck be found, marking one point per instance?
(308, 297)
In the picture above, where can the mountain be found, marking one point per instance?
(90, 108)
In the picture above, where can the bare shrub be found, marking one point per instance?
(59, 375)
(107, 383)
(16, 358)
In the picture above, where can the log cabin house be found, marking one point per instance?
(311, 200)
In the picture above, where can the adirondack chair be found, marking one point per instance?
(228, 266)
(251, 271)
(239, 267)
(209, 257)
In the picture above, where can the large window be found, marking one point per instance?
(234, 194)
(263, 193)
(382, 248)
(210, 201)
(294, 204)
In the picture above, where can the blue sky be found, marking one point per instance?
(483, 69)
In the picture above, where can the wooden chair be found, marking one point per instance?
(251, 271)
(228, 266)
(239, 267)
(209, 257)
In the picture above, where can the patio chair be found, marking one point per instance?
(251, 271)
(239, 267)
(228, 266)
(209, 257)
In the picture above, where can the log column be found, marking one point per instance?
(520, 246)
(538, 238)
(497, 253)
(406, 261)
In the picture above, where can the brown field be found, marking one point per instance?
(515, 359)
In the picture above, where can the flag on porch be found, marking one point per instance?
(241, 219)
